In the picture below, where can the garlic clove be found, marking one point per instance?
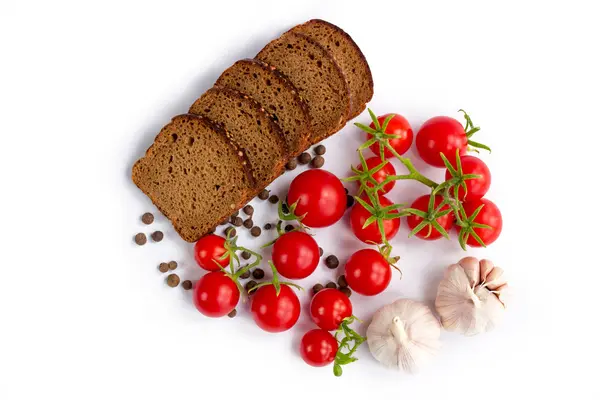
(485, 267)
(503, 293)
(495, 279)
(470, 265)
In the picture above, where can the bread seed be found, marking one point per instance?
(264, 194)
(342, 281)
(331, 285)
(249, 285)
(349, 201)
(248, 210)
(332, 262)
(258, 273)
(187, 285)
(291, 164)
(232, 314)
(140, 239)
(289, 228)
(320, 252)
(147, 218)
(274, 199)
(237, 221)
(318, 287)
(304, 158)
(255, 231)
(246, 255)
(173, 280)
(230, 231)
(317, 162)
(157, 236)
(248, 223)
(346, 291)
(320, 150)
(268, 226)
(172, 265)
(163, 267)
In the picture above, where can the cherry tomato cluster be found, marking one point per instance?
(317, 199)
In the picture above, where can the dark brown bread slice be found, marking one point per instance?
(311, 68)
(250, 126)
(267, 85)
(195, 174)
(348, 56)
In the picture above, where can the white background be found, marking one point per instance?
(84, 88)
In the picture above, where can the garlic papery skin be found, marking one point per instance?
(470, 297)
(404, 335)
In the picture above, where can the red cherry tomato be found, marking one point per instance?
(368, 272)
(320, 197)
(318, 348)
(329, 307)
(489, 215)
(209, 249)
(216, 294)
(399, 126)
(295, 255)
(273, 313)
(476, 188)
(371, 234)
(429, 232)
(440, 135)
(380, 175)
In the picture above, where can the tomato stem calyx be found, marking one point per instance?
(378, 135)
(470, 130)
(351, 341)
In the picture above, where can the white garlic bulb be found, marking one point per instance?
(471, 297)
(404, 335)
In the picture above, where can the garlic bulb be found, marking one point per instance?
(404, 335)
(471, 297)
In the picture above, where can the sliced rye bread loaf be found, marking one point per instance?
(251, 128)
(271, 88)
(311, 68)
(195, 174)
(348, 56)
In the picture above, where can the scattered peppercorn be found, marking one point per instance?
(346, 291)
(140, 239)
(172, 265)
(235, 214)
(318, 287)
(342, 281)
(291, 164)
(173, 280)
(232, 314)
(147, 218)
(237, 221)
(245, 275)
(163, 267)
(225, 222)
(274, 199)
(255, 231)
(258, 273)
(331, 285)
(285, 208)
(289, 228)
(320, 150)
(187, 285)
(249, 285)
(332, 262)
(248, 210)
(320, 252)
(248, 223)
(349, 201)
(246, 255)
(268, 226)
(157, 236)
(304, 158)
(230, 230)
(346, 190)
(317, 162)
(263, 194)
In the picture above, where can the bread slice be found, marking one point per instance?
(250, 127)
(195, 174)
(311, 68)
(348, 56)
(267, 85)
